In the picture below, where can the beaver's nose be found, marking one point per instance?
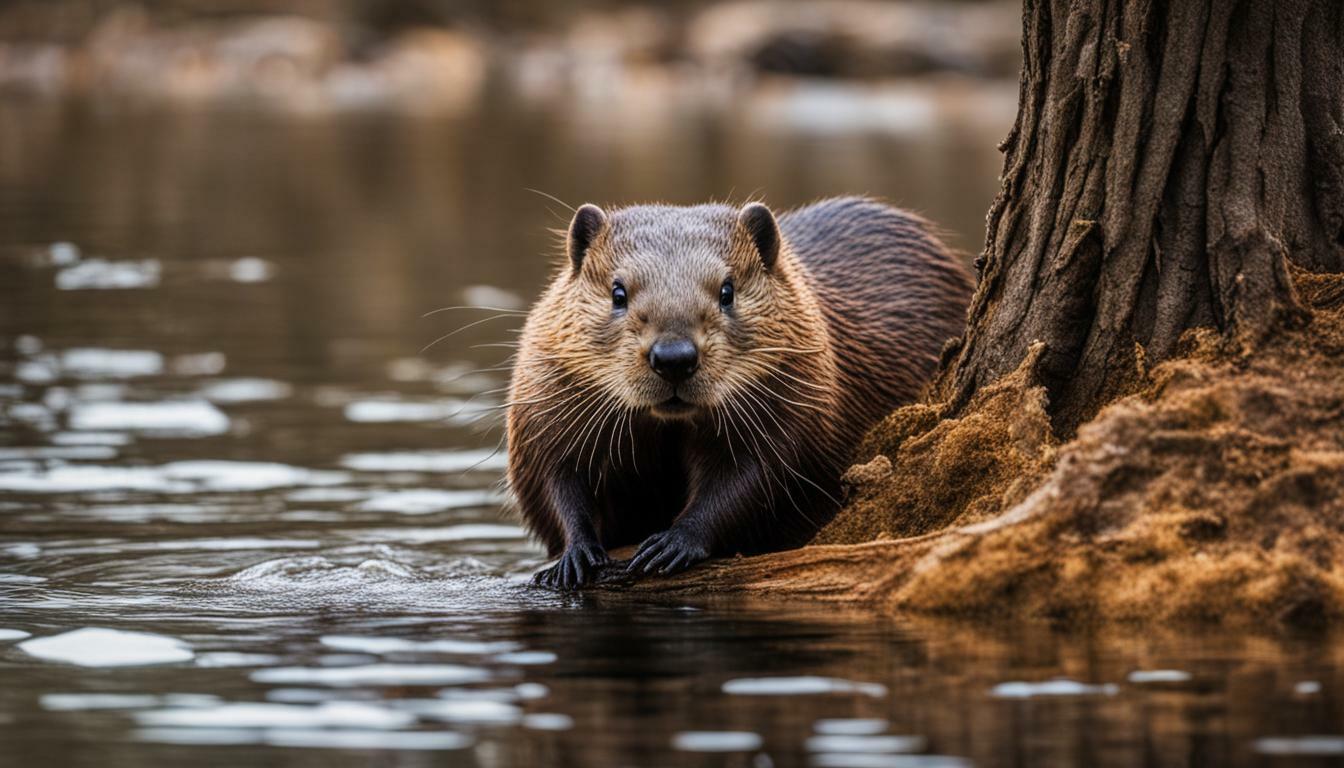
(674, 359)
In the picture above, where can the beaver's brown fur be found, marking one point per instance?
(836, 315)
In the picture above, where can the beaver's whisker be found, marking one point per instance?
(575, 418)
(498, 447)
(774, 448)
(503, 310)
(576, 401)
(630, 431)
(598, 420)
(776, 369)
(789, 467)
(759, 387)
(593, 420)
(610, 421)
(765, 471)
(773, 372)
(550, 197)
(451, 334)
(797, 350)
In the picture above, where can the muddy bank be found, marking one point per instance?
(1215, 493)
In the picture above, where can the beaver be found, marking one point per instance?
(695, 379)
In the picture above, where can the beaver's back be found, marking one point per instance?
(891, 293)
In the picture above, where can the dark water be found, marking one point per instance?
(245, 520)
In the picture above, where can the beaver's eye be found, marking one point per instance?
(726, 294)
(618, 299)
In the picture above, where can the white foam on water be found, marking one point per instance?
(199, 736)
(377, 740)
(331, 714)
(249, 475)
(18, 578)
(199, 364)
(13, 634)
(548, 721)
(418, 501)
(79, 479)
(474, 711)
(35, 415)
(95, 363)
(25, 550)
(99, 647)
(531, 691)
(373, 675)
(863, 760)
(235, 659)
(326, 495)
(251, 269)
(848, 726)
(800, 686)
(526, 658)
(865, 743)
(384, 645)
(236, 544)
(64, 452)
(498, 695)
(469, 532)
(293, 572)
(78, 702)
(101, 274)
(448, 462)
(62, 254)
(1307, 688)
(390, 411)
(1056, 687)
(1142, 676)
(41, 370)
(177, 417)
(91, 391)
(716, 741)
(245, 390)
(301, 695)
(28, 344)
(176, 477)
(1322, 746)
(91, 438)
(489, 296)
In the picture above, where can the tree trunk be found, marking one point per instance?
(1170, 157)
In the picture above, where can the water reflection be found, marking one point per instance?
(243, 518)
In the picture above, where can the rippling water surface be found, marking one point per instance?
(246, 517)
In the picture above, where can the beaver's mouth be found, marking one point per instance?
(673, 406)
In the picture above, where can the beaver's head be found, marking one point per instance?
(680, 310)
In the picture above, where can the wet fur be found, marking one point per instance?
(861, 293)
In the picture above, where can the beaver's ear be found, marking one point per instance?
(759, 224)
(583, 230)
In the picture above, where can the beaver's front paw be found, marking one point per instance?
(573, 569)
(669, 552)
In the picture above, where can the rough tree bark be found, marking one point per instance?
(1169, 158)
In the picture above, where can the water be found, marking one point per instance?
(245, 520)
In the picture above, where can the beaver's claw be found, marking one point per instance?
(669, 552)
(574, 568)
